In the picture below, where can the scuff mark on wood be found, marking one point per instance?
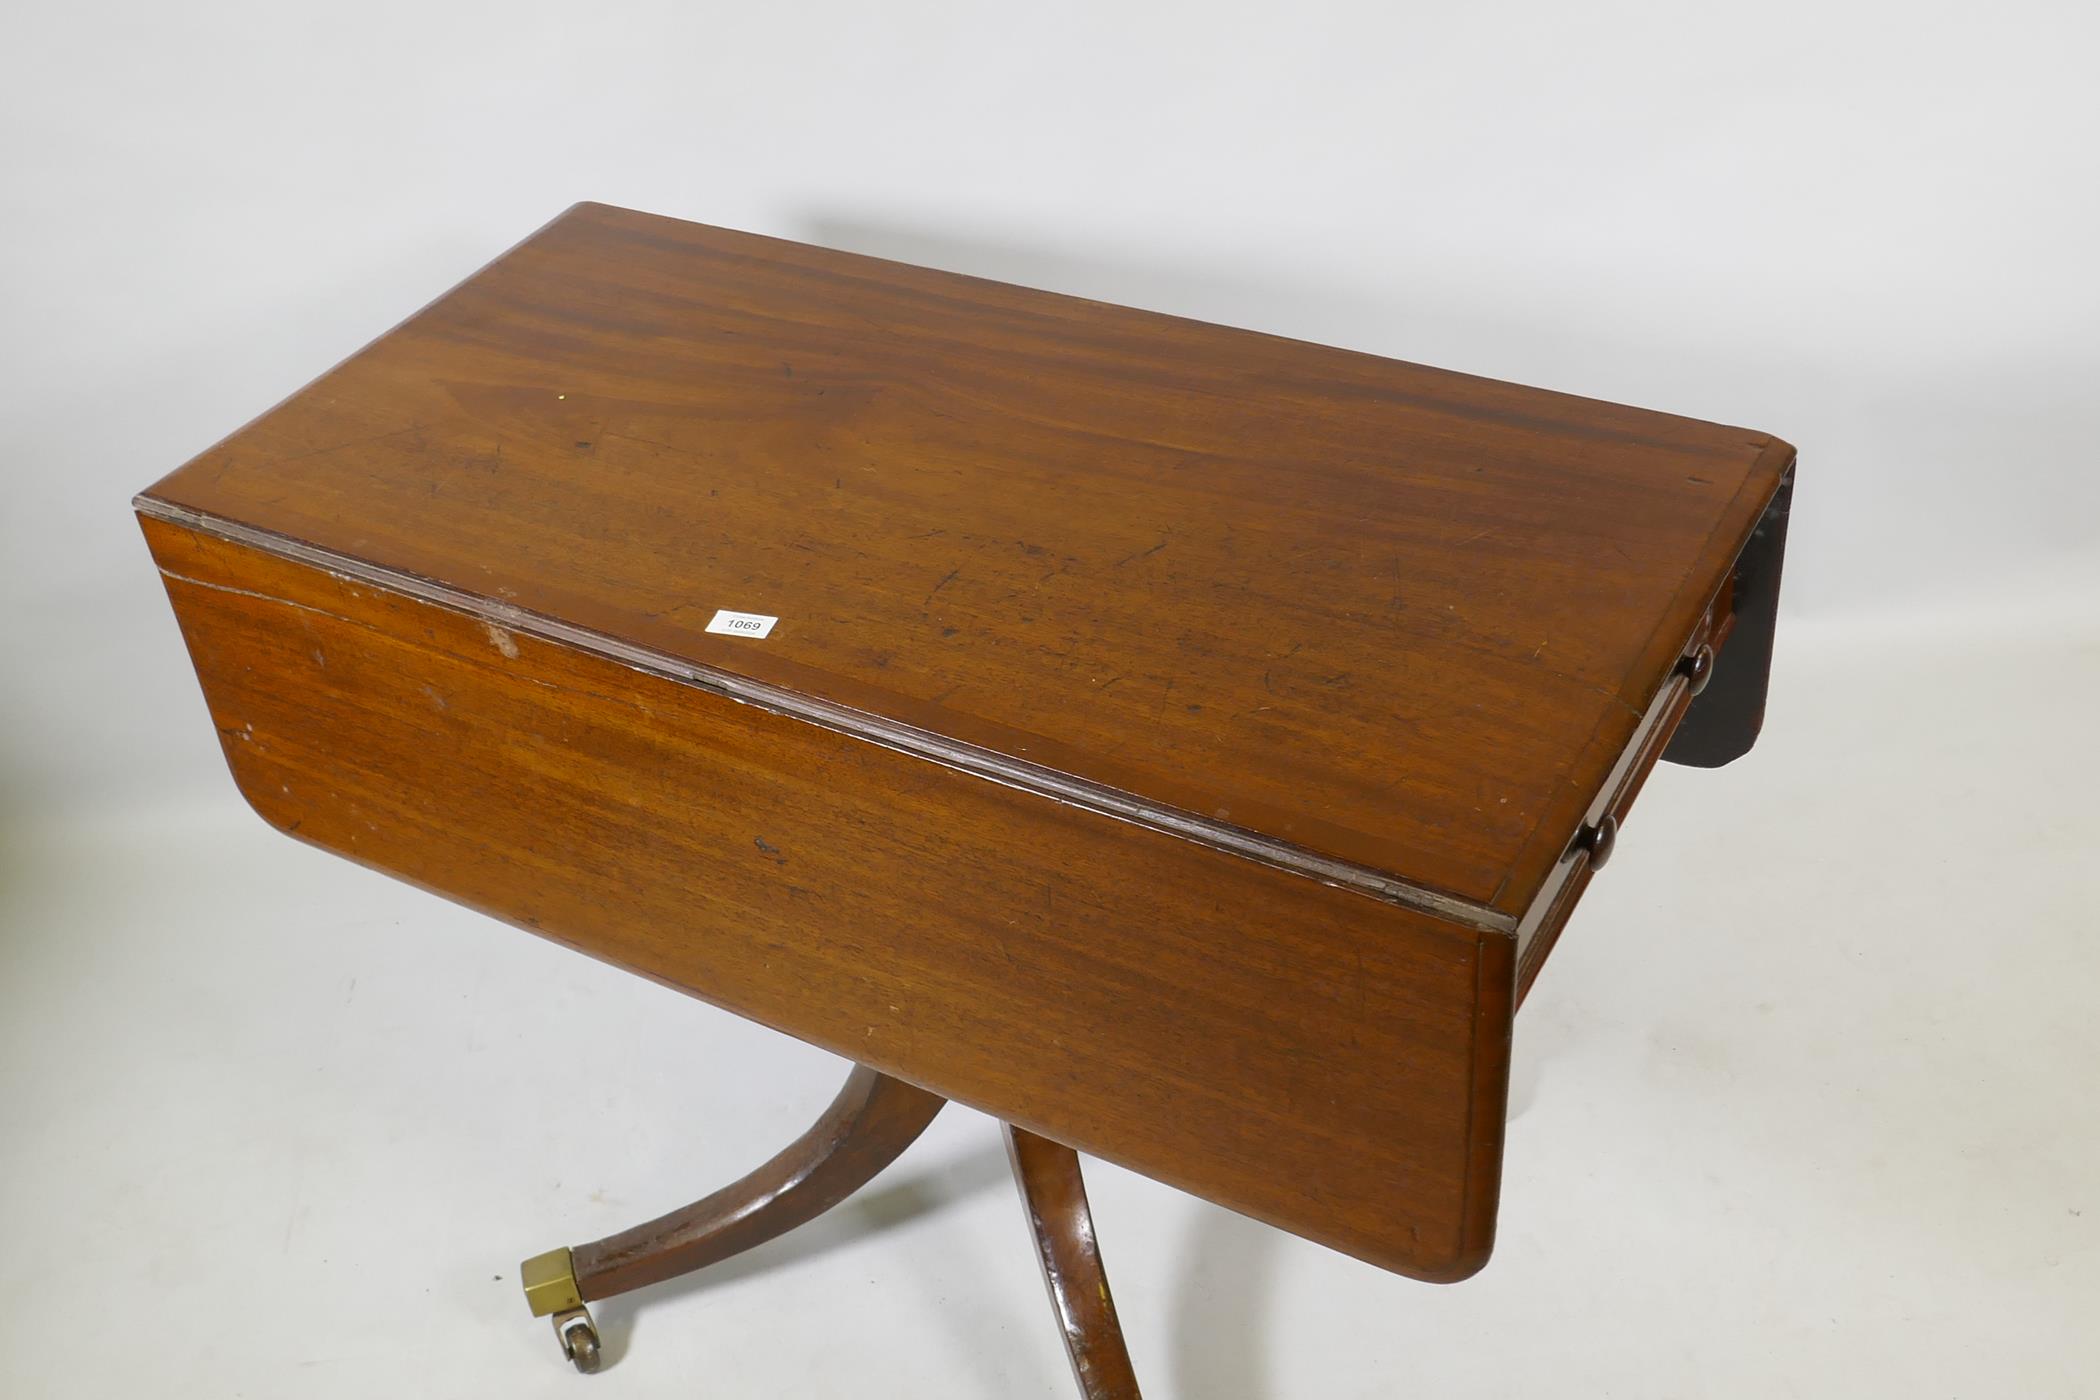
(1143, 553)
(950, 578)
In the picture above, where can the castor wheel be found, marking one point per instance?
(579, 1338)
(551, 1291)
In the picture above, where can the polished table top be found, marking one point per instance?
(1397, 617)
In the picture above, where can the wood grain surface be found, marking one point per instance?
(1390, 616)
(1317, 1058)
(1180, 742)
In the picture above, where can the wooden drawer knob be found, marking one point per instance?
(1698, 668)
(1599, 840)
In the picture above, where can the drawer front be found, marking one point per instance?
(1599, 833)
(1708, 712)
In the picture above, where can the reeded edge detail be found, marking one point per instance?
(859, 724)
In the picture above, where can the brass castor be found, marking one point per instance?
(579, 1338)
(550, 1291)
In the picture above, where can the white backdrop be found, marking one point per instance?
(1868, 228)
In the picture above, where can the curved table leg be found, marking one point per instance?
(873, 1119)
(1055, 1198)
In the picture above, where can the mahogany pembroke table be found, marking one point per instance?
(1181, 743)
